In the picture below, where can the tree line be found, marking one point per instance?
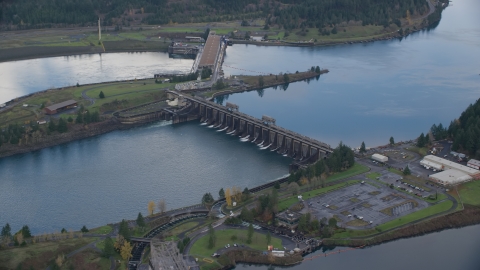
(464, 131)
(288, 14)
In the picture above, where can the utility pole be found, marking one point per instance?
(99, 31)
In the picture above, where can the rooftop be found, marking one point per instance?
(451, 176)
(61, 105)
(452, 164)
(474, 162)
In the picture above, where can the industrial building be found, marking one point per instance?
(473, 163)
(380, 158)
(431, 165)
(448, 165)
(62, 106)
(288, 219)
(165, 255)
(450, 177)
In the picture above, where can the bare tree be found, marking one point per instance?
(162, 206)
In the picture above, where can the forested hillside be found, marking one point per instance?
(465, 130)
(288, 14)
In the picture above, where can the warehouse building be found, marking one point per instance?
(447, 165)
(450, 177)
(380, 158)
(62, 106)
(473, 163)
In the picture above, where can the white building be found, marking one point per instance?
(473, 163)
(427, 164)
(447, 165)
(450, 177)
(256, 38)
(380, 158)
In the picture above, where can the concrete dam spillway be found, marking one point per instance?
(263, 132)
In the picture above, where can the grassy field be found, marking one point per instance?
(135, 92)
(356, 169)
(183, 227)
(40, 254)
(259, 242)
(470, 193)
(102, 230)
(374, 175)
(286, 203)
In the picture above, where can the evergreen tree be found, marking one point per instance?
(108, 249)
(26, 232)
(124, 230)
(362, 148)
(392, 141)
(101, 95)
(140, 220)
(421, 140)
(317, 70)
(207, 198)
(6, 231)
(62, 125)
(79, 118)
(250, 233)
(221, 193)
(211, 237)
(84, 229)
(407, 171)
(51, 126)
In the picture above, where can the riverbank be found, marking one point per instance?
(33, 52)
(77, 132)
(469, 216)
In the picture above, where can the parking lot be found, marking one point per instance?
(363, 205)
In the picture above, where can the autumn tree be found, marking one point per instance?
(162, 206)
(126, 251)
(228, 197)
(151, 207)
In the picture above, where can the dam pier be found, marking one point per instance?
(263, 132)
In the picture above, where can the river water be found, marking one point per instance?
(373, 91)
(445, 250)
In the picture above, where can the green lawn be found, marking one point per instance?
(356, 169)
(102, 230)
(470, 193)
(374, 175)
(421, 151)
(183, 227)
(259, 242)
(286, 203)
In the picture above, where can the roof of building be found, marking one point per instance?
(451, 176)
(474, 162)
(210, 51)
(61, 105)
(379, 156)
(431, 164)
(452, 164)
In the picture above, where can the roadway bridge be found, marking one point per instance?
(263, 132)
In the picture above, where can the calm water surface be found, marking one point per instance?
(374, 91)
(446, 250)
(106, 178)
(53, 72)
